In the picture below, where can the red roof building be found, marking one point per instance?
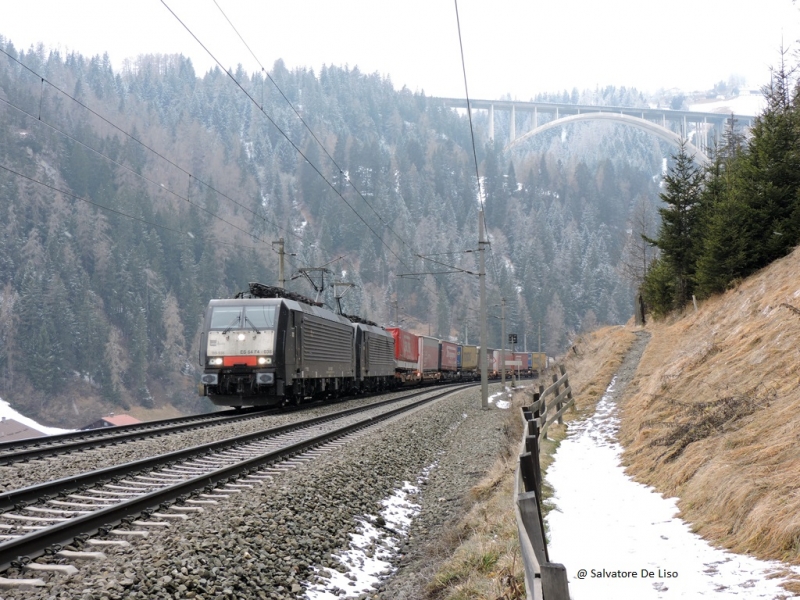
(113, 421)
(11, 430)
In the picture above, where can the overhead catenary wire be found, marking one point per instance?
(469, 114)
(113, 210)
(472, 137)
(308, 127)
(129, 136)
(130, 170)
(260, 107)
(161, 156)
(282, 132)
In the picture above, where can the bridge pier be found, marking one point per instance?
(662, 122)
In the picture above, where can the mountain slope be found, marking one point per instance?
(712, 416)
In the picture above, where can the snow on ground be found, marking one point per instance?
(750, 105)
(499, 401)
(9, 413)
(625, 536)
(368, 561)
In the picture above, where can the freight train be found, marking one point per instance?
(269, 347)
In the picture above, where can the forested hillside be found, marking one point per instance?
(736, 215)
(128, 199)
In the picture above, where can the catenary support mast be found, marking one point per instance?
(482, 276)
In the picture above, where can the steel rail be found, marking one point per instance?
(62, 443)
(36, 543)
(52, 440)
(35, 448)
(14, 498)
(110, 440)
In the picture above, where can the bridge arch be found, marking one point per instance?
(662, 132)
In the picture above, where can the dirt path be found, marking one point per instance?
(629, 365)
(606, 522)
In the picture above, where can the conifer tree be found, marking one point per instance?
(678, 237)
(722, 217)
(770, 175)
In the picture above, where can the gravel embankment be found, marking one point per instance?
(21, 475)
(263, 542)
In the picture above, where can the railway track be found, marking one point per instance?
(33, 448)
(125, 501)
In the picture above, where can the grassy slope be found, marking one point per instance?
(712, 416)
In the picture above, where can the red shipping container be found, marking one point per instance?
(522, 358)
(448, 360)
(406, 347)
(428, 354)
(498, 359)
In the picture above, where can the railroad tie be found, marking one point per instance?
(20, 583)
(62, 569)
(81, 555)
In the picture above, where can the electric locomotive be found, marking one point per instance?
(269, 346)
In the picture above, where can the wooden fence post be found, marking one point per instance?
(532, 445)
(544, 580)
(542, 408)
(555, 393)
(528, 471)
(534, 524)
(563, 370)
(554, 581)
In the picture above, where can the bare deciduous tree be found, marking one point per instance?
(638, 253)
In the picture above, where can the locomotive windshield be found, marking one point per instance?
(254, 317)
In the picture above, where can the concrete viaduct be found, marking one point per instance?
(538, 117)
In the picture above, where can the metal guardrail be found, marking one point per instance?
(544, 580)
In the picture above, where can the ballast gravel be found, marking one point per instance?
(266, 542)
(19, 475)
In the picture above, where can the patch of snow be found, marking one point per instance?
(368, 560)
(9, 413)
(498, 400)
(606, 521)
(749, 105)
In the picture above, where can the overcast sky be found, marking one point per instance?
(516, 47)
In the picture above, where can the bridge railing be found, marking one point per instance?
(544, 580)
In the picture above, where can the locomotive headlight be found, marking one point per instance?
(241, 337)
(263, 360)
(216, 361)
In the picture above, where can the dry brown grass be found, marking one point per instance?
(486, 563)
(712, 416)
